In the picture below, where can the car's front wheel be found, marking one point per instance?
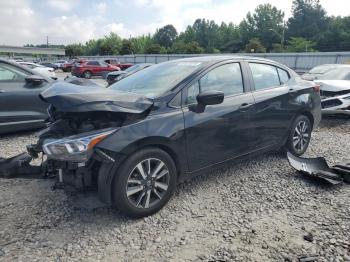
(87, 74)
(144, 183)
(300, 135)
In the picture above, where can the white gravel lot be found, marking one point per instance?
(258, 210)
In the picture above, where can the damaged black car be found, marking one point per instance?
(135, 141)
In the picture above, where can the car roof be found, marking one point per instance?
(209, 58)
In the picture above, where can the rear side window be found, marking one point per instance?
(284, 75)
(94, 63)
(265, 76)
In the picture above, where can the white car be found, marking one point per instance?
(46, 71)
(335, 90)
(60, 63)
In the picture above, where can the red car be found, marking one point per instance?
(87, 69)
(115, 62)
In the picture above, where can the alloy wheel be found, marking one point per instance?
(147, 183)
(301, 136)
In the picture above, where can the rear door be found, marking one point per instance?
(271, 114)
(222, 131)
(19, 102)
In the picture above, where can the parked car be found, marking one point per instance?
(48, 64)
(335, 90)
(135, 141)
(64, 65)
(46, 71)
(87, 69)
(115, 76)
(115, 62)
(319, 70)
(20, 105)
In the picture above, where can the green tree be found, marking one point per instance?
(91, 47)
(229, 38)
(337, 36)
(180, 47)
(155, 49)
(110, 45)
(127, 47)
(165, 36)
(141, 43)
(300, 44)
(266, 24)
(255, 46)
(74, 50)
(308, 20)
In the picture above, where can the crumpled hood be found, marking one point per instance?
(66, 97)
(334, 85)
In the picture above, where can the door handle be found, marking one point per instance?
(244, 106)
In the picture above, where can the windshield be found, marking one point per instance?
(157, 79)
(337, 74)
(321, 69)
(132, 68)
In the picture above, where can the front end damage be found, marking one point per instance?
(336, 105)
(79, 119)
(335, 97)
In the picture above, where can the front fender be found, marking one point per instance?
(165, 131)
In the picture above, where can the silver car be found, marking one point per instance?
(335, 90)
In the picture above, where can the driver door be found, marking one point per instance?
(20, 104)
(222, 131)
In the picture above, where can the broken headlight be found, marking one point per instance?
(77, 148)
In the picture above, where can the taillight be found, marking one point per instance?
(317, 89)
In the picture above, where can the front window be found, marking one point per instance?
(226, 78)
(158, 79)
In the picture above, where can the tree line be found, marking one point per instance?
(264, 30)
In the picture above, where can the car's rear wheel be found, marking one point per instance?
(144, 183)
(87, 74)
(300, 135)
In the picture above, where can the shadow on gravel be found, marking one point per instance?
(334, 121)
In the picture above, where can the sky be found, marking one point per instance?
(73, 21)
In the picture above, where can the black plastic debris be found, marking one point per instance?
(318, 168)
(19, 166)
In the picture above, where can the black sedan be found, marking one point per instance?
(135, 141)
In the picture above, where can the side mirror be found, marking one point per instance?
(207, 98)
(210, 98)
(35, 80)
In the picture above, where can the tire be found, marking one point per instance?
(300, 136)
(131, 189)
(87, 74)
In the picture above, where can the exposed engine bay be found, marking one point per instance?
(79, 118)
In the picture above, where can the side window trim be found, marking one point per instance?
(279, 76)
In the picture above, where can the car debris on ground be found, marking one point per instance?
(318, 168)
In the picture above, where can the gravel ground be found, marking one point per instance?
(258, 210)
